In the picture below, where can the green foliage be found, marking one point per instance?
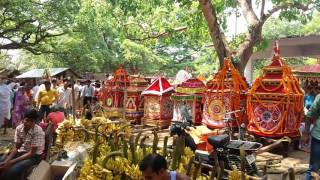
(311, 61)
(292, 62)
(277, 28)
(154, 36)
(5, 61)
(132, 33)
(313, 27)
(206, 64)
(28, 24)
(237, 40)
(138, 56)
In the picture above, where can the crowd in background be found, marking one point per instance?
(49, 96)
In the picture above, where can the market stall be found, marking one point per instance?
(226, 92)
(158, 107)
(275, 102)
(309, 77)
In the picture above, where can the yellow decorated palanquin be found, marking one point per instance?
(188, 101)
(226, 92)
(134, 100)
(275, 101)
(113, 93)
(158, 107)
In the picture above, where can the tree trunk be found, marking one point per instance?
(219, 42)
(239, 67)
(216, 33)
(245, 50)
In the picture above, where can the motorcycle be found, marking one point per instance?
(228, 150)
(179, 128)
(225, 149)
(228, 153)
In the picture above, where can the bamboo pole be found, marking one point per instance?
(73, 100)
(291, 174)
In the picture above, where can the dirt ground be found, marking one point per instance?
(8, 136)
(297, 160)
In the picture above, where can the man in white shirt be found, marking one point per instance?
(5, 103)
(35, 90)
(87, 94)
(65, 99)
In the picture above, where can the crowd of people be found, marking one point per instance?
(16, 97)
(28, 109)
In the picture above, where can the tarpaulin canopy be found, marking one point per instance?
(308, 73)
(38, 73)
(308, 69)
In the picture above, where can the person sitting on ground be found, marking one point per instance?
(154, 166)
(95, 106)
(30, 142)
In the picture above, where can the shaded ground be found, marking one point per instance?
(297, 160)
(8, 136)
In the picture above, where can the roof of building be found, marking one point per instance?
(38, 73)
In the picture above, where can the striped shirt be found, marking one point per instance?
(33, 138)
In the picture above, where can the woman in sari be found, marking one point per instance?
(20, 105)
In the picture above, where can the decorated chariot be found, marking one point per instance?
(275, 102)
(188, 101)
(134, 100)
(113, 93)
(158, 107)
(226, 92)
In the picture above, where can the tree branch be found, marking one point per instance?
(284, 6)
(137, 24)
(215, 31)
(158, 35)
(32, 50)
(247, 11)
(263, 3)
(25, 44)
(17, 27)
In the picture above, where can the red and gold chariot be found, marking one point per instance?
(113, 93)
(226, 92)
(158, 107)
(188, 101)
(275, 102)
(134, 100)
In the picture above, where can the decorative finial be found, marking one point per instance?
(276, 48)
(46, 74)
